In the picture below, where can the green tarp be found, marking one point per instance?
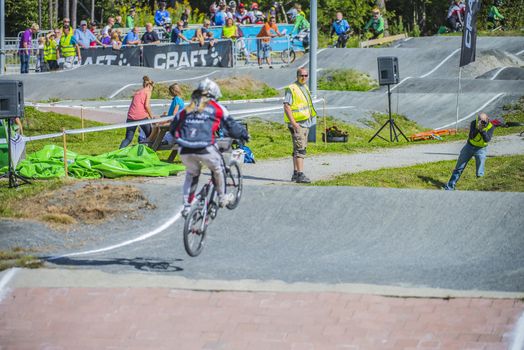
(137, 160)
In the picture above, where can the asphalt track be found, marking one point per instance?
(427, 93)
(461, 241)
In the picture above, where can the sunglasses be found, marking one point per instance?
(303, 75)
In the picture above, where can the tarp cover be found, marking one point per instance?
(137, 160)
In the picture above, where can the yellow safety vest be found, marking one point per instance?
(302, 106)
(66, 48)
(50, 51)
(478, 141)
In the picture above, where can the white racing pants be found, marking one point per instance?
(193, 162)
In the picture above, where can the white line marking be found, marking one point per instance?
(408, 39)
(5, 280)
(440, 64)
(498, 72)
(164, 81)
(518, 341)
(307, 61)
(156, 231)
(396, 86)
(519, 53)
(471, 114)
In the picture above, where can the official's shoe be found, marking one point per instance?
(302, 179)
(446, 187)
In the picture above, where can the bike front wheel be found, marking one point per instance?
(195, 231)
(288, 56)
(234, 185)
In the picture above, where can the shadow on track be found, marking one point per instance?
(142, 264)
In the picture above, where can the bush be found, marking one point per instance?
(346, 80)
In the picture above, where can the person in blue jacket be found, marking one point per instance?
(342, 29)
(161, 15)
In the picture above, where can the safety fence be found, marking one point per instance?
(160, 56)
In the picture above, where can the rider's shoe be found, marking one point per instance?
(185, 211)
(225, 199)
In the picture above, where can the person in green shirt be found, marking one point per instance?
(375, 25)
(130, 19)
(495, 18)
(301, 28)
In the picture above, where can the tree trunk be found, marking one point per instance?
(40, 13)
(74, 5)
(55, 15)
(50, 13)
(92, 10)
(66, 9)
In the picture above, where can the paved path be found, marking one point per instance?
(43, 314)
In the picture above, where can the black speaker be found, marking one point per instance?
(11, 99)
(388, 73)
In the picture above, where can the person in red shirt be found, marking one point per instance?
(269, 30)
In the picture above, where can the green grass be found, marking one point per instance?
(234, 88)
(346, 80)
(503, 174)
(18, 257)
(8, 196)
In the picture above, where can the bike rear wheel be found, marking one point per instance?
(234, 184)
(195, 231)
(288, 56)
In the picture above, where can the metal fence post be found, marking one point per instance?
(2, 37)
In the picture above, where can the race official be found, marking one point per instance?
(298, 114)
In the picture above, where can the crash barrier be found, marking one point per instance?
(160, 56)
(384, 40)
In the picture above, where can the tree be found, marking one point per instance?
(20, 14)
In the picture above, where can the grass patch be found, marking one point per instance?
(346, 80)
(490, 33)
(235, 88)
(10, 196)
(503, 174)
(18, 257)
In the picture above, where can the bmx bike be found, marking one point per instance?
(204, 208)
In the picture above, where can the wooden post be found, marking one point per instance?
(82, 121)
(65, 151)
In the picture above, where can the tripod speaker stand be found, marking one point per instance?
(11, 173)
(388, 74)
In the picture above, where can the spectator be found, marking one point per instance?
(301, 23)
(85, 37)
(256, 15)
(105, 30)
(118, 22)
(66, 22)
(342, 29)
(25, 47)
(204, 34)
(150, 36)
(495, 18)
(244, 17)
(269, 30)
(140, 109)
(132, 37)
(299, 114)
(455, 19)
(185, 17)
(130, 19)
(92, 29)
(40, 64)
(50, 52)
(58, 35)
(231, 31)
(177, 33)
(375, 25)
(69, 47)
(116, 43)
(480, 134)
(220, 16)
(106, 40)
(161, 15)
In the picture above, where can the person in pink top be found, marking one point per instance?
(139, 109)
